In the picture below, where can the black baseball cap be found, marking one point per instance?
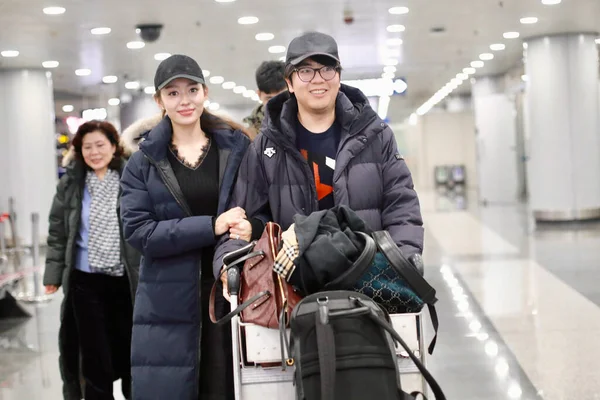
(311, 44)
(177, 66)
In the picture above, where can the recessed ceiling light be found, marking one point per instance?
(100, 31)
(214, 106)
(239, 89)
(247, 20)
(114, 102)
(276, 49)
(136, 45)
(394, 42)
(389, 69)
(477, 64)
(161, 56)
(486, 56)
(551, 2)
(525, 45)
(229, 85)
(497, 47)
(54, 10)
(83, 72)
(391, 62)
(388, 75)
(132, 85)
(50, 64)
(282, 58)
(529, 20)
(68, 108)
(462, 76)
(206, 103)
(206, 73)
(396, 28)
(265, 36)
(598, 41)
(149, 90)
(248, 93)
(525, 78)
(398, 10)
(9, 53)
(511, 35)
(469, 71)
(217, 80)
(110, 79)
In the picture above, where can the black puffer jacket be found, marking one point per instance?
(370, 175)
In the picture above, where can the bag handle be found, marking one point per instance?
(421, 287)
(242, 307)
(435, 387)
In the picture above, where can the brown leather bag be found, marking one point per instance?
(267, 299)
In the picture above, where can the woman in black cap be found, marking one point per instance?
(176, 191)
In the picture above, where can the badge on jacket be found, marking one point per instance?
(270, 152)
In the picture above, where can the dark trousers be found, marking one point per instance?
(103, 314)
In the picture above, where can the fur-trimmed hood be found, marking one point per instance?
(130, 138)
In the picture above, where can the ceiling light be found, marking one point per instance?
(525, 45)
(529, 20)
(282, 58)
(239, 89)
(389, 69)
(524, 78)
(396, 28)
(398, 10)
(597, 41)
(497, 47)
(83, 72)
(265, 36)
(54, 10)
(110, 79)
(392, 53)
(276, 49)
(149, 90)
(136, 45)
(390, 62)
(217, 80)
(161, 56)
(214, 106)
(50, 64)
(248, 93)
(132, 85)
(10, 53)
(100, 31)
(229, 85)
(206, 103)
(247, 20)
(477, 64)
(511, 35)
(394, 42)
(551, 2)
(68, 108)
(462, 76)
(255, 97)
(114, 102)
(486, 56)
(388, 75)
(206, 73)
(469, 71)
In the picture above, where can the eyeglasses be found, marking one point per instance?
(307, 74)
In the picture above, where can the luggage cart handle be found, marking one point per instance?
(233, 281)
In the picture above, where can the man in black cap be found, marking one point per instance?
(322, 145)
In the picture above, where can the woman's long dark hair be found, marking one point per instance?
(107, 130)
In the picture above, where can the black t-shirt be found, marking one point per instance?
(320, 150)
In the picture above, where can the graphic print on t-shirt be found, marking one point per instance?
(320, 150)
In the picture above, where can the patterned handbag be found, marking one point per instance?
(385, 275)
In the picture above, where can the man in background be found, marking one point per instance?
(270, 81)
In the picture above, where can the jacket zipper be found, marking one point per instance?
(188, 212)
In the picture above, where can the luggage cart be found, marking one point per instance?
(257, 354)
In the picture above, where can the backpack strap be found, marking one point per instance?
(326, 351)
(411, 275)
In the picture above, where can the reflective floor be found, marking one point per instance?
(518, 306)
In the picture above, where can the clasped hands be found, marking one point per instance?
(234, 221)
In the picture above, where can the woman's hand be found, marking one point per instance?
(227, 219)
(241, 230)
(51, 289)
